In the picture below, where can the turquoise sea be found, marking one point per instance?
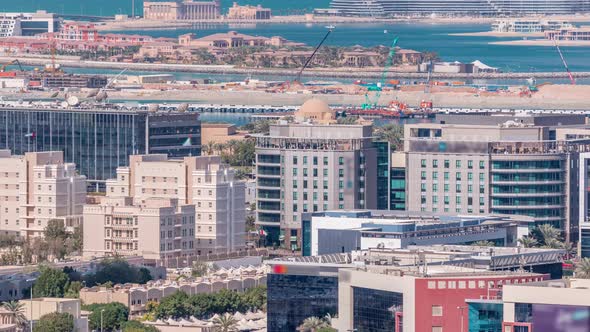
(112, 7)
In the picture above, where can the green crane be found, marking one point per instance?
(372, 103)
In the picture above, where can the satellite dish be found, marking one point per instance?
(73, 101)
(64, 104)
(153, 108)
(182, 107)
(101, 96)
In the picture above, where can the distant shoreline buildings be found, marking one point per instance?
(182, 10)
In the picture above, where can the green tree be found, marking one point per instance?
(55, 322)
(327, 329)
(254, 298)
(549, 236)
(56, 229)
(135, 326)
(51, 283)
(225, 323)
(392, 133)
(117, 271)
(16, 310)
(73, 290)
(347, 120)
(312, 324)
(144, 275)
(114, 315)
(583, 269)
(176, 305)
(528, 241)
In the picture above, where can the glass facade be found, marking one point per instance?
(383, 170)
(99, 142)
(535, 188)
(374, 310)
(293, 298)
(553, 317)
(585, 242)
(485, 316)
(398, 189)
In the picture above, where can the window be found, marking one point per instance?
(446, 176)
(294, 171)
(315, 172)
(341, 173)
(437, 310)
(458, 163)
(482, 164)
(294, 160)
(294, 184)
(304, 160)
(458, 200)
(340, 184)
(458, 188)
(481, 177)
(423, 187)
(435, 163)
(315, 160)
(470, 164)
(447, 164)
(470, 176)
(437, 329)
(446, 187)
(435, 187)
(325, 172)
(325, 184)
(470, 188)
(434, 199)
(340, 160)
(446, 201)
(458, 176)
(423, 175)
(423, 163)
(325, 161)
(435, 175)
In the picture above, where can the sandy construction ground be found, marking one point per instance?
(548, 97)
(541, 42)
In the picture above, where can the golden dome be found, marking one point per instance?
(315, 109)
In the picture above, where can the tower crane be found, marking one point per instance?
(371, 103)
(567, 68)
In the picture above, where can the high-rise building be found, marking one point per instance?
(205, 183)
(310, 165)
(98, 139)
(505, 164)
(36, 188)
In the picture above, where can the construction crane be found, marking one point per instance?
(567, 68)
(379, 87)
(330, 29)
(15, 61)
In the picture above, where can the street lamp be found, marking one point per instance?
(101, 320)
(31, 303)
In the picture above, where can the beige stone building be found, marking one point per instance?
(237, 12)
(182, 10)
(35, 309)
(220, 133)
(36, 188)
(199, 191)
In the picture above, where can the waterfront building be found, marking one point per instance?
(197, 196)
(529, 26)
(135, 296)
(518, 164)
(571, 34)
(237, 12)
(382, 8)
(366, 288)
(27, 24)
(232, 39)
(182, 10)
(98, 139)
(314, 164)
(344, 231)
(39, 187)
(34, 309)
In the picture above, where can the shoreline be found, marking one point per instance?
(143, 24)
(542, 42)
(283, 73)
(498, 34)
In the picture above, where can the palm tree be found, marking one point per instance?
(210, 147)
(312, 324)
(392, 133)
(570, 249)
(528, 241)
(583, 269)
(225, 323)
(16, 310)
(549, 235)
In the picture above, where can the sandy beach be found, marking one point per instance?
(498, 34)
(548, 97)
(542, 42)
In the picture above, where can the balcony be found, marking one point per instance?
(519, 182)
(527, 170)
(527, 207)
(545, 194)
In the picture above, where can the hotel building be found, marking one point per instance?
(315, 164)
(505, 164)
(36, 188)
(182, 10)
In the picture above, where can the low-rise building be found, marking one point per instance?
(27, 24)
(334, 232)
(34, 309)
(220, 133)
(237, 12)
(39, 187)
(569, 34)
(425, 287)
(232, 39)
(529, 26)
(182, 10)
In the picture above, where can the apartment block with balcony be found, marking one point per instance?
(36, 188)
(204, 183)
(509, 164)
(311, 165)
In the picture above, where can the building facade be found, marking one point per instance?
(27, 24)
(98, 140)
(312, 165)
(529, 26)
(36, 308)
(182, 10)
(251, 13)
(39, 187)
(503, 165)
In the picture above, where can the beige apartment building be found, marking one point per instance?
(214, 223)
(36, 188)
(36, 308)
